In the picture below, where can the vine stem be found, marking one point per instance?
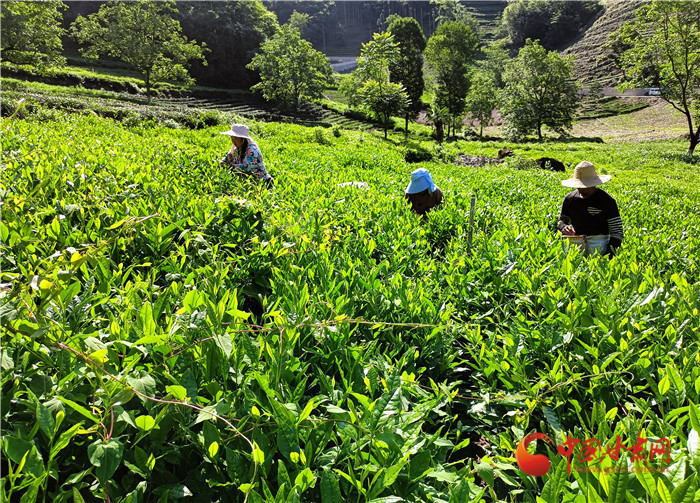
(170, 402)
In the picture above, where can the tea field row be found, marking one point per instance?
(170, 330)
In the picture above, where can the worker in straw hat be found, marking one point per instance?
(590, 212)
(245, 156)
(422, 193)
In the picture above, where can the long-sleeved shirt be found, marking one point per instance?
(250, 161)
(423, 202)
(596, 214)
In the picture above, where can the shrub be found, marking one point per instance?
(213, 118)
(320, 137)
(418, 154)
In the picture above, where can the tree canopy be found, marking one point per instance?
(454, 10)
(539, 91)
(369, 84)
(407, 68)
(482, 99)
(664, 51)
(554, 24)
(290, 69)
(323, 27)
(233, 32)
(31, 32)
(143, 34)
(449, 53)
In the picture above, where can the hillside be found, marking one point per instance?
(590, 67)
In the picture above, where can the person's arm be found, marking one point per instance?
(564, 222)
(438, 196)
(615, 227)
(227, 159)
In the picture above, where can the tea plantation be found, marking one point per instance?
(173, 333)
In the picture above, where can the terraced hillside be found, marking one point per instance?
(194, 110)
(590, 66)
(488, 14)
(309, 114)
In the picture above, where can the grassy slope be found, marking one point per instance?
(502, 316)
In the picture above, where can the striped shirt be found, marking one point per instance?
(597, 214)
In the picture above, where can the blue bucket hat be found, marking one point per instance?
(420, 180)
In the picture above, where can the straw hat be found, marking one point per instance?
(420, 180)
(239, 131)
(585, 176)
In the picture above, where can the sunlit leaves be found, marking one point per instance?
(105, 457)
(364, 355)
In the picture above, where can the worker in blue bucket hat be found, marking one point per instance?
(422, 193)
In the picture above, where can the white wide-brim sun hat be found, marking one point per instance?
(420, 180)
(585, 177)
(239, 131)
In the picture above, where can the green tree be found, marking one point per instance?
(31, 32)
(299, 20)
(540, 91)
(454, 10)
(482, 99)
(143, 34)
(233, 31)
(322, 27)
(290, 69)
(449, 53)
(369, 84)
(437, 117)
(666, 36)
(494, 58)
(407, 68)
(383, 100)
(554, 24)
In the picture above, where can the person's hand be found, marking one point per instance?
(568, 230)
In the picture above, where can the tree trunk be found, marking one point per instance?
(439, 131)
(148, 87)
(539, 130)
(694, 135)
(694, 139)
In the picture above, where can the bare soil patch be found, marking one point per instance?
(659, 121)
(476, 160)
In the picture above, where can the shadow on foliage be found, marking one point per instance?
(685, 158)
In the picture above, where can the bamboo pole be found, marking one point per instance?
(472, 203)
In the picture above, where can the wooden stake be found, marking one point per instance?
(472, 202)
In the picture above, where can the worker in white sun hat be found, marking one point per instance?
(245, 156)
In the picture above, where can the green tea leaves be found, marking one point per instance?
(105, 457)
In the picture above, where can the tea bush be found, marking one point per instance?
(418, 154)
(170, 330)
